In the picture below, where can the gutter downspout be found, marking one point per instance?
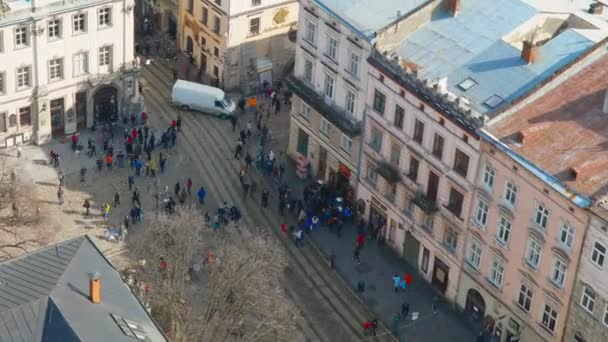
(124, 53)
(361, 144)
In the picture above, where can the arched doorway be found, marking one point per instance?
(105, 104)
(189, 45)
(475, 306)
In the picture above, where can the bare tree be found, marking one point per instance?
(207, 286)
(20, 217)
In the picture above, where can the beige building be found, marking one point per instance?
(239, 44)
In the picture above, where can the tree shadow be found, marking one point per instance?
(78, 291)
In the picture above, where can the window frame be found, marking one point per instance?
(55, 69)
(455, 202)
(484, 214)
(331, 50)
(418, 135)
(496, 278)
(253, 33)
(205, 16)
(305, 111)
(399, 118)
(325, 127)
(28, 69)
(312, 70)
(552, 316)
(411, 174)
(510, 194)
(379, 103)
(524, 297)
(541, 215)
(376, 136)
(329, 87)
(438, 146)
(534, 250)
(217, 25)
(310, 32)
(489, 176)
(79, 23)
(601, 256)
(107, 63)
(354, 63)
(28, 116)
(2, 82)
(588, 299)
(54, 25)
(350, 101)
(474, 254)
(21, 33)
(450, 239)
(77, 63)
(459, 163)
(559, 274)
(346, 140)
(104, 12)
(566, 230)
(504, 229)
(255, 3)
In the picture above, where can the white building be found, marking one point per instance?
(63, 65)
(239, 44)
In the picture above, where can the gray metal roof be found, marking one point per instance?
(44, 297)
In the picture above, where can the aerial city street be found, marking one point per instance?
(312, 170)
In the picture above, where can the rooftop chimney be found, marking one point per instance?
(605, 105)
(452, 6)
(95, 288)
(529, 52)
(596, 8)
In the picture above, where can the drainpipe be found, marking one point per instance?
(124, 55)
(361, 144)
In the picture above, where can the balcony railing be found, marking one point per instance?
(333, 113)
(388, 172)
(424, 203)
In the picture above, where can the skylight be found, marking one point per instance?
(130, 328)
(493, 101)
(467, 84)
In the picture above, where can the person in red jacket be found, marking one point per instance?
(144, 118)
(74, 142)
(360, 240)
(134, 133)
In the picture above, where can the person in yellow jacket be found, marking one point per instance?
(106, 211)
(153, 167)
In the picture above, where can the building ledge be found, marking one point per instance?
(334, 114)
(388, 172)
(424, 203)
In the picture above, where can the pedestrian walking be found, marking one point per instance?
(61, 178)
(405, 309)
(106, 211)
(299, 235)
(19, 151)
(396, 281)
(116, 200)
(135, 197)
(60, 195)
(237, 151)
(177, 189)
(233, 122)
(265, 195)
(83, 173)
(178, 123)
(332, 259)
(109, 162)
(201, 195)
(162, 161)
(356, 255)
(131, 181)
(86, 205)
(374, 326)
(189, 186)
(246, 187)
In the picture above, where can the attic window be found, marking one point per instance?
(493, 101)
(467, 84)
(130, 328)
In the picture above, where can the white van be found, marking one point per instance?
(201, 98)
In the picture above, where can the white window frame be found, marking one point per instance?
(559, 272)
(27, 72)
(55, 67)
(527, 294)
(450, 239)
(310, 33)
(22, 37)
(511, 192)
(566, 232)
(541, 215)
(533, 252)
(496, 273)
(54, 26)
(503, 233)
(325, 127)
(329, 86)
(332, 47)
(489, 176)
(305, 111)
(104, 17)
(103, 60)
(605, 316)
(346, 144)
(598, 257)
(588, 299)
(77, 64)
(350, 101)
(354, 63)
(312, 70)
(481, 213)
(474, 254)
(78, 20)
(251, 33)
(552, 315)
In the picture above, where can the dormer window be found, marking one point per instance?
(467, 84)
(493, 101)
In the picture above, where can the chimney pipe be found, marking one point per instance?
(596, 8)
(95, 288)
(452, 6)
(529, 52)
(605, 105)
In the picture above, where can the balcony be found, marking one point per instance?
(388, 172)
(338, 117)
(424, 203)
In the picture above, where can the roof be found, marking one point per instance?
(369, 16)
(480, 44)
(44, 297)
(565, 131)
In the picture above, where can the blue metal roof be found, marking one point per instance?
(446, 43)
(499, 70)
(368, 16)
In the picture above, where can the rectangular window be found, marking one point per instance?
(332, 48)
(450, 239)
(511, 193)
(588, 299)
(216, 52)
(461, 163)
(549, 318)
(438, 142)
(418, 131)
(379, 102)
(308, 70)
(254, 26)
(542, 216)
(346, 143)
(353, 64)
(426, 255)
(81, 63)
(474, 257)
(23, 77)
(55, 69)
(524, 300)
(3, 122)
(399, 116)
(395, 154)
(216, 71)
(216, 24)
(2, 83)
(375, 141)
(311, 32)
(105, 55)
(305, 111)
(489, 174)
(256, 2)
(1, 42)
(504, 230)
(455, 202)
(413, 171)
(558, 275)
(205, 16)
(105, 17)
(496, 272)
(190, 8)
(25, 116)
(328, 88)
(566, 234)
(533, 253)
(218, 2)
(481, 214)
(54, 29)
(325, 127)
(350, 101)
(605, 318)
(21, 37)
(79, 23)
(598, 254)
(372, 176)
